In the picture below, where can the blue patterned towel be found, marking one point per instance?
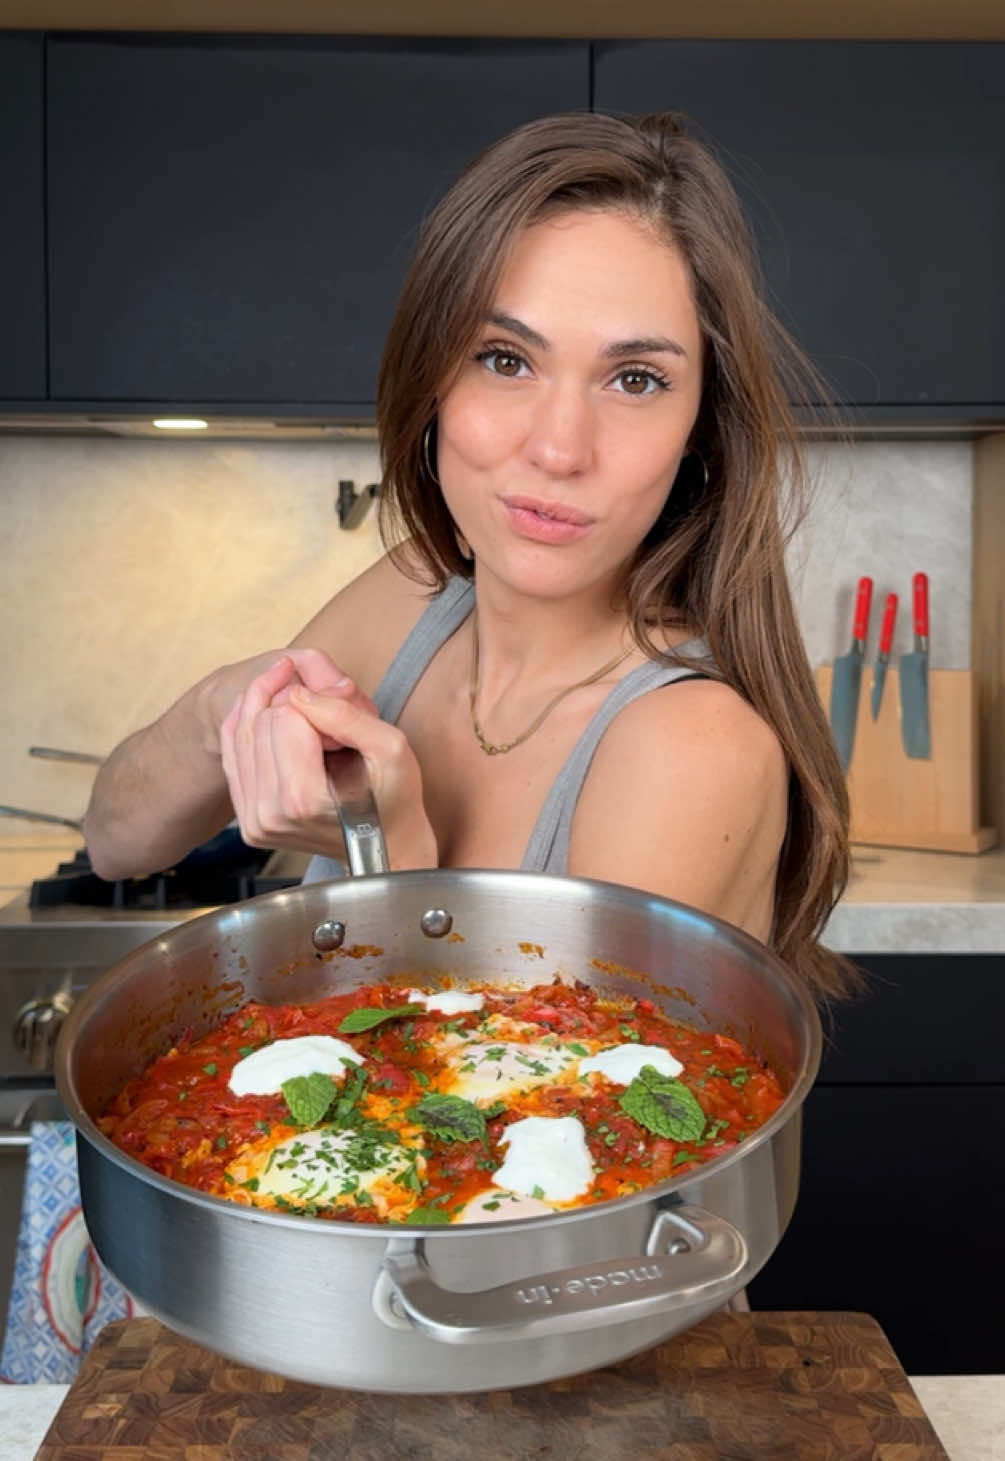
(62, 1293)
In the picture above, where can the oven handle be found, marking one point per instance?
(13, 1140)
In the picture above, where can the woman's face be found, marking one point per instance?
(559, 439)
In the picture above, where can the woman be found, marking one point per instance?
(582, 649)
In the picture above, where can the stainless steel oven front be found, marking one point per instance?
(48, 956)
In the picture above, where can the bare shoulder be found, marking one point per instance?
(364, 625)
(703, 722)
(688, 797)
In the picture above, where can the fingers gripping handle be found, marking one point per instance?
(349, 785)
(692, 1258)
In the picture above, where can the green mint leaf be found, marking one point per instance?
(308, 1097)
(663, 1106)
(344, 1113)
(538, 1192)
(576, 1047)
(451, 1118)
(434, 1215)
(367, 1017)
(740, 1077)
(211, 1069)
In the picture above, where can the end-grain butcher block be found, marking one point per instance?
(737, 1387)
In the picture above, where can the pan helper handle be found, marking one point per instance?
(692, 1258)
(349, 784)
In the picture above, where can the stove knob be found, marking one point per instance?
(36, 1026)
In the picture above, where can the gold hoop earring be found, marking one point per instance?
(427, 460)
(704, 468)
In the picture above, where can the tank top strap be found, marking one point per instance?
(443, 617)
(548, 848)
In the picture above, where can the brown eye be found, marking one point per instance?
(635, 384)
(506, 364)
(641, 382)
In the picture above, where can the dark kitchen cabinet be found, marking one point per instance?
(874, 176)
(22, 238)
(230, 219)
(904, 1165)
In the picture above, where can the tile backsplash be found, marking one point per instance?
(134, 567)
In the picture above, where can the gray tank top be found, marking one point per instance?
(548, 848)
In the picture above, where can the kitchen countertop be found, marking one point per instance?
(967, 1411)
(900, 902)
(896, 902)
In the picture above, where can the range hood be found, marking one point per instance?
(939, 424)
(94, 423)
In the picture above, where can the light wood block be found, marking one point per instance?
(988, 648)
(897, 801)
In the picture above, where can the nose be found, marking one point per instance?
(560, 441)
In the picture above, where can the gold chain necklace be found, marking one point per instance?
(494, 750)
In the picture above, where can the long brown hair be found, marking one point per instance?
(714, 560)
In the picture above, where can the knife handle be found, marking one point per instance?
(889, 620)
(920, 585)
(863, 603)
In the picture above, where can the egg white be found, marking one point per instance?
(320, 1168)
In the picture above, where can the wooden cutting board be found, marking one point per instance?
(768, 1387)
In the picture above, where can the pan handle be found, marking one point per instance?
(692, 1258)
(349, 785)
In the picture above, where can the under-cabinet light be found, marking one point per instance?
(180, 423)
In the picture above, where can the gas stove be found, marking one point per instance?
(59, 935)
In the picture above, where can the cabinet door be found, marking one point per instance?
(922, 1019)
(230, 220)
(874, 176)
(899, 1216)
(22, 238)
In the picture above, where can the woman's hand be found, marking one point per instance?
(273, 743)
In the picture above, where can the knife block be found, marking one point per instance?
(896, 801)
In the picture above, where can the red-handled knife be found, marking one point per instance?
(883, 657)
(914, 717)
(847, 679)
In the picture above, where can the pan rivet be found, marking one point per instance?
(328, 935)
(679, 1245)
(436, 922)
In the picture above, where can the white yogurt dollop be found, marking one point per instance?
(498, 1206)
(547, 1158)
(263, 1072)
(448, 1002)
(622, 1063)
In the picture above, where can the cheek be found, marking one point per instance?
(474, 431)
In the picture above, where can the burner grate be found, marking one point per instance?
(201, 885)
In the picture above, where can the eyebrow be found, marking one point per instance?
(617, 350)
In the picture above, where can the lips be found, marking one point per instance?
(558, 512)
(553, 524)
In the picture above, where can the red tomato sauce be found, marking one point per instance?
(180, 1117)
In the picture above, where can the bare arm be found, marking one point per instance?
(687, 798)
(164, 789)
